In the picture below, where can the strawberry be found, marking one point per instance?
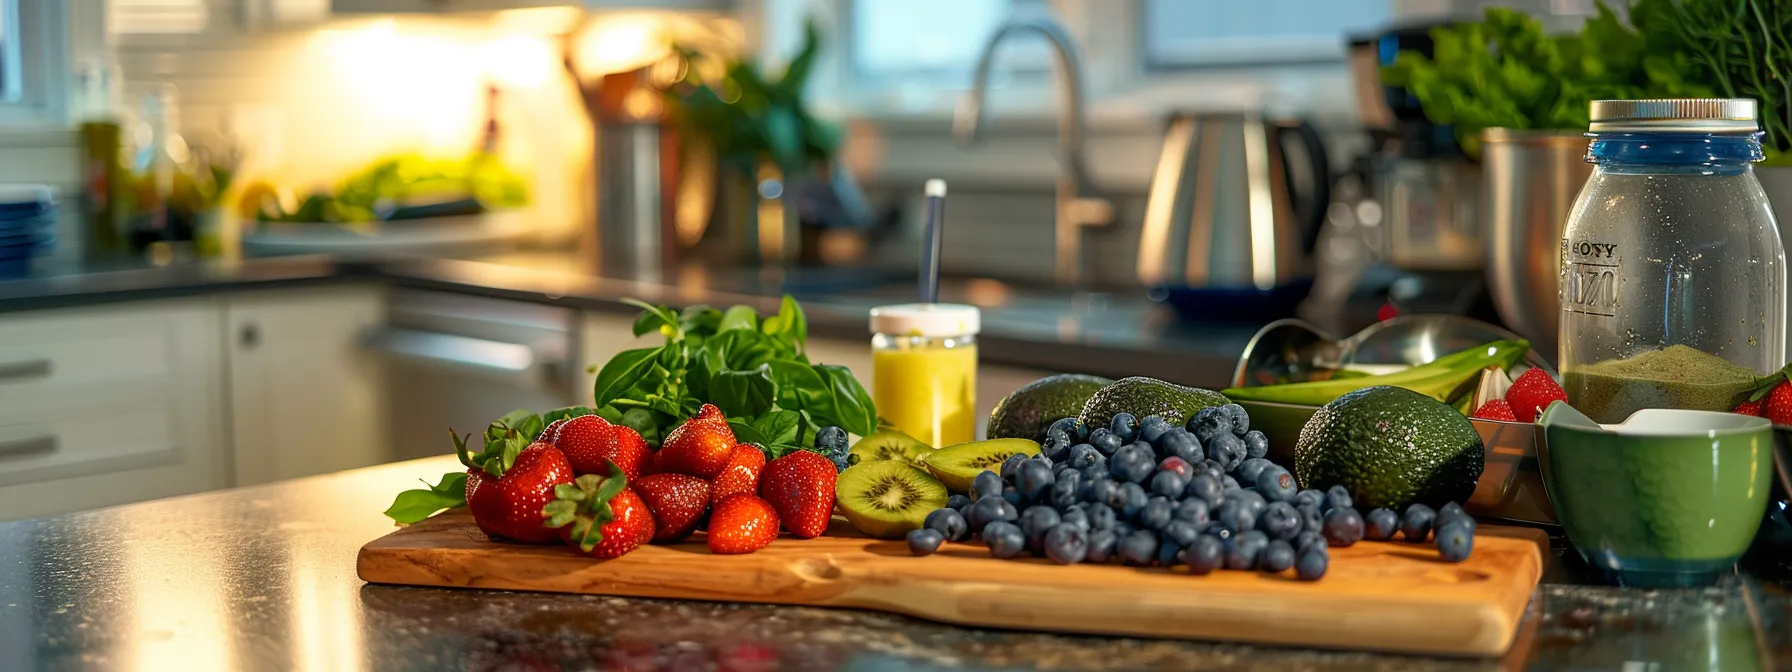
(1533, 392)
(552, 430)
(1496, 409)
(509, 481)
(1777, 405)
(1753, 408)
(742, 523)
(677, 502)
(800, 487)
(589, 441)
(600, 516)
(700, 447)
(741, 474)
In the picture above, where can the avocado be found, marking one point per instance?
(1390, 447)
(1027, 412)
(1143, 397)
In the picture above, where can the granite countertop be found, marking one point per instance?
(264, 578)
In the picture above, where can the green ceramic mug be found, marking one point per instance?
(1667, 498)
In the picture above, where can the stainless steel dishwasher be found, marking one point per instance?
(462, 361)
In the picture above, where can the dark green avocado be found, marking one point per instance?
(1143, 397)
(1390, 447)
(1028, 411)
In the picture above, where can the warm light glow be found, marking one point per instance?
(409, 80)
(520, 60)
(621, 43)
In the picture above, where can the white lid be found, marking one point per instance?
(926, 319)
(25, 193)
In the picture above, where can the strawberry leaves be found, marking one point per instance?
(585, 505)
(412, 506)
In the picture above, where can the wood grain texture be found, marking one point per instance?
(1380, 596)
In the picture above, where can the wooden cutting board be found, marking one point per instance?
(1388, 596)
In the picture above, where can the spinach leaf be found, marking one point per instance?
(743, 393)
(621, 373)
(413, 506)
(739, 317)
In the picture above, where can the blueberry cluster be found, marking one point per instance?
(831, 442)
(1149, 493)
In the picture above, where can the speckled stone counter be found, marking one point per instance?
(263, 578)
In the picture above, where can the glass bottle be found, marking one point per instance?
(924, 370)
(1673, 277)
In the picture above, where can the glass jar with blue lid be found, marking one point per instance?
(1673, 280)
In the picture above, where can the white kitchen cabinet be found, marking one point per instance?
(305, 397)
(110, 404)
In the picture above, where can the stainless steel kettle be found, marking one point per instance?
(1224, 194)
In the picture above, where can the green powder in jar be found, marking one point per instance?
(1677, 376)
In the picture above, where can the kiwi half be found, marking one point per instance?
(889, 444)
(957, 465)
(887, 498)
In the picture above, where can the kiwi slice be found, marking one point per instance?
(887, 498)
(957, 465)
(889, 444)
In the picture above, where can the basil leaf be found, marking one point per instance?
(743, 393)
(700, 320)
(745, 432)
(569, 412)
(652, 316)
(643, 422)
(412, 506)
(788, 325)
(739, 317)
(792, 379)
(779, 427)
(648, 322)
(738, 350)
(842, 402)
(621, 373)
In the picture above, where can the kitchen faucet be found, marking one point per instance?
(1077, 204)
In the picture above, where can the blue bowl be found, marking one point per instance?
(1234, 304)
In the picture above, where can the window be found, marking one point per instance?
(933, 41)
(11, 82)
(1178, 33)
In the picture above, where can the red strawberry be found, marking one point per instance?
(1496, 409)
(742, 523)
(1777, 405)
(589, 441)
(741, 474)
(600, 516)
(800, 487)
(505, 500)
(677, 502)
(700, 447)
(552, 430)
(1751, 408)
(1532, 393)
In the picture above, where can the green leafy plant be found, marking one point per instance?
(1742, 47)
(748, 116)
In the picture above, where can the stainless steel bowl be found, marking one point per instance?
(1532, 180)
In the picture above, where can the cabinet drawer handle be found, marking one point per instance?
(30, 369)
(36, 445)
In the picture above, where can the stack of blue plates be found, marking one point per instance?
(27, 226)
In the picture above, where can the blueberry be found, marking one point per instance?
(1280, 521)
(1095, 472)
(1034, 480)
(1277, 556)
(949, 523)
(1156, 514)
(1055, 450)
(1240, 419)
(1066, 544)
(1205, 555)
(1256, 444)
(1176, 465)
(1034, 522)
(1245, 549)
(1309, 497)
(1214, 466)
(1253, 501)
(1133, 463)
(842, 460)
(989, 510)
(1236, 515)
(1104, 441)
(1310, 519)
(1180, 443)
(1099, 547)
(1118, 499)
(1064, 489)
(958, 502)
(1005, 539)
(1135, 500)
(1083, 455)
(1380, 525)
(830, 440)
(1182, 532)
(1210, 422)
(1014, 496)
(924, 541)
(1309, 540)
(1152, 428)
(1167, 551)
(1452, 512)
(1011, 466)
(1454, 541)
(1121, 528)
(1226, 448)
(1101, 516)
(1218, 530)
(1077, 517)
(1205, 487)
(1416, 524)
(1343, 526)
(1338, 497)
(1168, 484)
(1228, 484)
(1060, 469)
(986, 484)
(1311, 565)
(1099, 490)
(1072, 427)
(1193, 511)
(1124, 426)
(1249, 468)
(1138, 549)
(1275, 484)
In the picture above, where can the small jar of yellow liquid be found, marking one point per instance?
(924, 370)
